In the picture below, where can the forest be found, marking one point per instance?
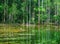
(29, 21)
(30, 11)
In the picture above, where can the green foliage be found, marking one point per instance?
(35, 1)
(40, 9)
(57, 17)
(42, 17)
(23, 9)
(1, 8)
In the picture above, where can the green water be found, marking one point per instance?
(32, 35)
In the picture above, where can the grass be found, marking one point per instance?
(43, 34)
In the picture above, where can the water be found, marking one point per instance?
(11, 34)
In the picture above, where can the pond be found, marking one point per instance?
(32, 34)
